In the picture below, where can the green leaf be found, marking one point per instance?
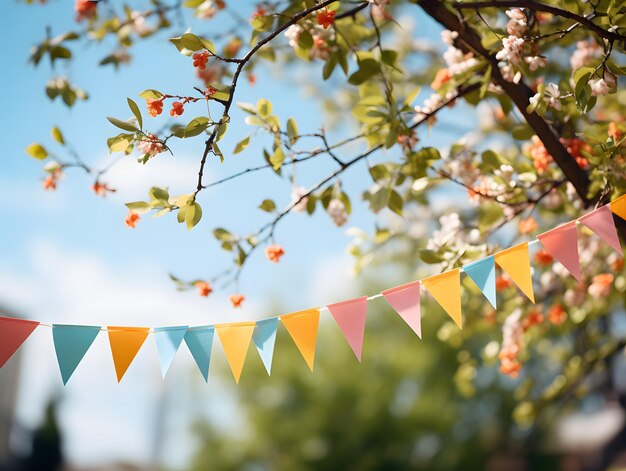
(522, 132)
(151, 94)
(268, 206)
(277, 158)
(241, 145)
(139, 207)
(160, 194)
(430, 256)
(264, 108)
(120, 142)
(37, 151)
(126, 126)
(193, 214)
(135, 109)
(57, 135)
(222, 234)
(292, 130)
(188, 43)
(396, 203)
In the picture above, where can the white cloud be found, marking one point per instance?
(63, 286)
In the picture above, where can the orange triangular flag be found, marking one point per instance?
(302, 326)
(125, 343)
(235, 339)
(516, 263)
(446, 289)
(619, 206)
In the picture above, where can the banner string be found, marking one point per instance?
(321, 309)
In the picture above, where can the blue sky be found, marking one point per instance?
(67, 257)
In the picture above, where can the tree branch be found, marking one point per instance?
(469, 41)
(536, 6)
(240, 66)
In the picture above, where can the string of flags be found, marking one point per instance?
(71, 342)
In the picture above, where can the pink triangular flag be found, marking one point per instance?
(405, 300)
(562, 244)
(13, 333)
(350, 317)
(601, 222)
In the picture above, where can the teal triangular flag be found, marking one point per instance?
(199, 340)
(71, 342)
(168, 339)
(264, 338)
(483, 273)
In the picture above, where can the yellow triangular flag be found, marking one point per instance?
(125, 344)
(302, 326)
(619, 206)
(516, 263)
(235, 339)
(446, 289)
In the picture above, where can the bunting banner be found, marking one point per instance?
(405, 300)
(72, 342)
(516, 263)
(302, 326)
(235, 339)
(168, 340)
(199, 341)
(125, 344)
(264, 338)
(350, 317)
(562, 244)
(483, 274)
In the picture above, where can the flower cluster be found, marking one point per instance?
(274, 252)
(542, 159)
(151, 146)
(85, 9)
(209, 8)
(204, 288)
(337, 212)
(237, 299)
(132, 219)
(323, 39)
(50, 182)
(512, 332)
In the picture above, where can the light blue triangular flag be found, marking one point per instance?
(168, 339)
(264, 338)
(199, 340)
(71, 342)
(483, 273)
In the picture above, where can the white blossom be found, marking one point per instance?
(535, 62)
(296, 195)
(511, 50)
(337, 212)
(448, 36)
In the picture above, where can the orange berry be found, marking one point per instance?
(274, 252)
(543, 257)
(132, 219)
(177, 109)
(155, 107)
(528, 225)
(200, 59)
(326, 18)
(237, 299)
(204, 288)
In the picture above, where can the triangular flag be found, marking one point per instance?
(235, 339)
(562, 244)
(601, 222)
(483, 273)
(13, 333)
(125, 343)
(302, 326)
(168, 340)
(446, 289)
(71, 342)
(264, 338)
(619, 206)
(405, 300)
(199, 340)
(350, 317)
(515, 261)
